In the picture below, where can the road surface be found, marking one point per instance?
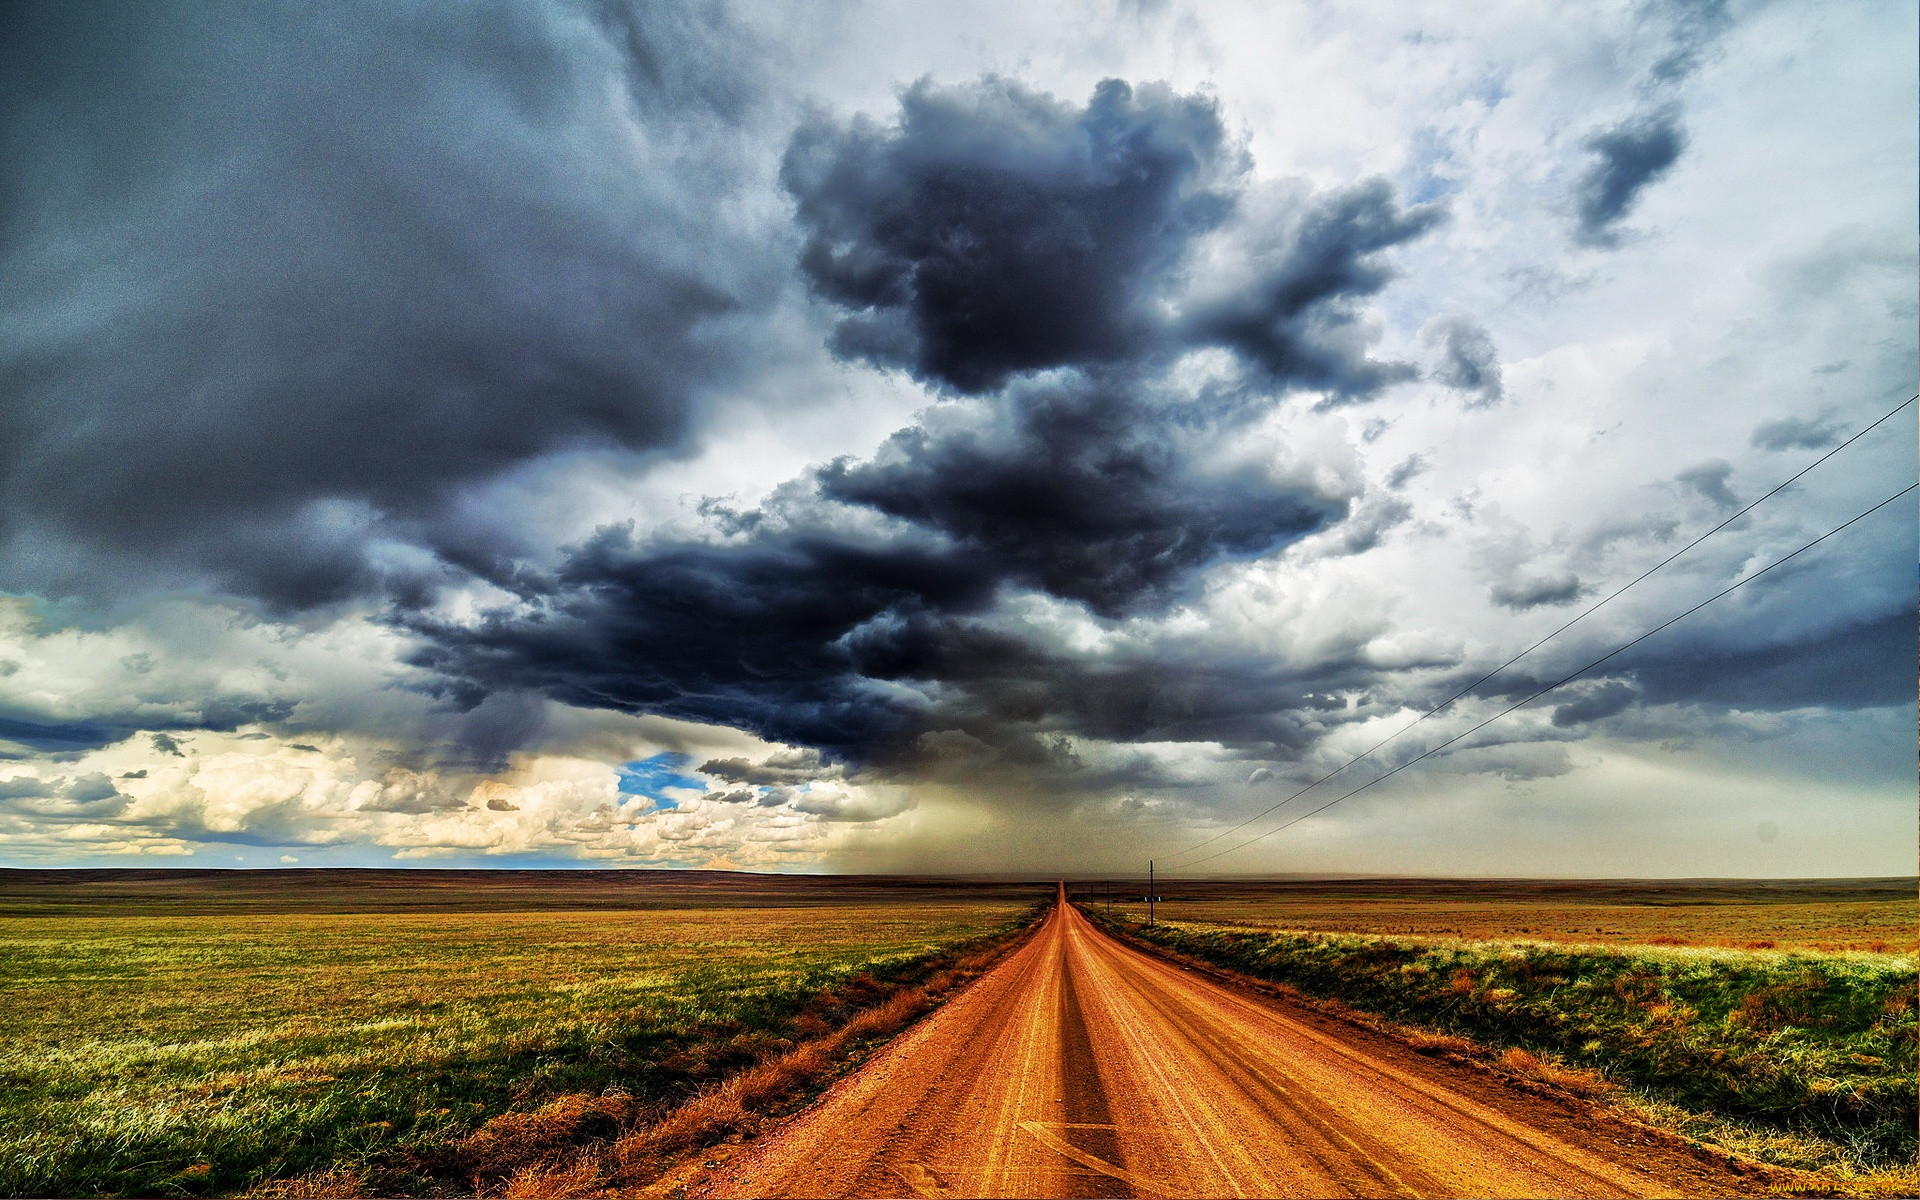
(1081, 1066)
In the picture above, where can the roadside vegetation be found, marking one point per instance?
(1805, 1059)
(422, 1053)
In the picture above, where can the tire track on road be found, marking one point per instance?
(1083, 1067)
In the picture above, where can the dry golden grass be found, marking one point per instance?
(1540, 1069)
(342, 1183)
(1434, 1043)
(581, 1177)
(582, 1145)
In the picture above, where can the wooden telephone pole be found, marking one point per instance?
(1150, 895)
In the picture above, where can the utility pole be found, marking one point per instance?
(1150, 895)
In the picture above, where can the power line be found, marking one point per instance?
(1583, 615)
(1558, 683)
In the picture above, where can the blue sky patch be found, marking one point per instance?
(650, 777)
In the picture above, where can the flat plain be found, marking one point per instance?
(214, 1034)
(562, 1033)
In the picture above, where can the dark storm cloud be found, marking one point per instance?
(1594, 703)
(1082, 490)
(1298, 320)
(1015, 709)
(1861, 664)
(811, 630)
(996, 230)
(1028, 255)
(1709, 481)
(1627, 158)
(1639, 151)
(757, 637)
(1468, 361)
(55, 736)
(1798, 433)
(1782, 644)
(1525, 592)
(42, 731)
(879, 655)
(781, 767)
(857, 650)
(278, 279)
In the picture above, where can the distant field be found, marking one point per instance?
(148, 893)
(1874, 915)
(200, 1054)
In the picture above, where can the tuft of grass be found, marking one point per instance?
(1817, 1048)
(323, 1055)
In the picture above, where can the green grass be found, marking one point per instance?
(1817, 1045)
(206, 1055)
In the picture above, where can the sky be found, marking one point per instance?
(1018, 437)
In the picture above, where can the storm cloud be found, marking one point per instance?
(1595, 703)
(1848, 664)
(1084, 489)
(994, 230)
(1534, 591)
(1003, 244)
(1797, 433)
(279, 280)
(1627, 158)
(877, 437)
(1298, 318)
(813, 626)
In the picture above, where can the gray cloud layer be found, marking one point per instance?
(995, 230)
(328, 311)
(1001, 242)
(277, 282)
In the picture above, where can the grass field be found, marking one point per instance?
(1729, 1011)
(207, 1054)
(135, 892)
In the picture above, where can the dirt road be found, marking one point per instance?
(1084, 1067)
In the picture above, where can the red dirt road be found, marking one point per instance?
(1084, 1067)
